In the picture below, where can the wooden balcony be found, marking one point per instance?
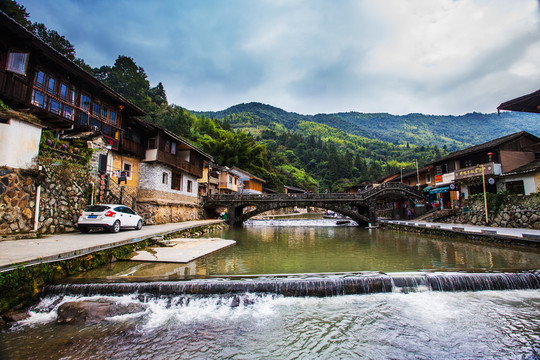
(132, 147)
(174, 161)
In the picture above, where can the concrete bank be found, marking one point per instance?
(528, 237)
(30, 252)
(27, 265)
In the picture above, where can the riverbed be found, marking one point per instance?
(415, 324)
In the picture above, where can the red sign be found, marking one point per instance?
(438, 178)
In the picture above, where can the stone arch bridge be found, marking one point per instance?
(360, 207)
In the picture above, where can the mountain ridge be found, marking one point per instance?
(453, 131)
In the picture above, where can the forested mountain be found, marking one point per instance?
(451, 132)
(322, 151)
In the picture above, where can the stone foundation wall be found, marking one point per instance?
(63, 194)
(17, 200)
(157, 213)
(65, 191)
(514, 212)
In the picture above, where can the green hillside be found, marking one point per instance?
(454, 132)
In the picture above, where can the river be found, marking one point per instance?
(418, 323)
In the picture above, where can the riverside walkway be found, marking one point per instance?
(520, 235)
(27, 252)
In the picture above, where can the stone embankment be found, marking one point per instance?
(511, 212)
(63, 193)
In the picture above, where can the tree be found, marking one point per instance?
(15, 11)
(54, 39)
(157, 94)
(128, 79)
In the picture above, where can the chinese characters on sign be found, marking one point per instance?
(474, 171)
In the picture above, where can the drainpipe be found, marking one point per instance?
(38, 198)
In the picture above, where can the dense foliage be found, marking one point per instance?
(324, 151)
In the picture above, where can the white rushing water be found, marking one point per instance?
(422, 325)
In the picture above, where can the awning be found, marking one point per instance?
(427, 188)
(439, 190)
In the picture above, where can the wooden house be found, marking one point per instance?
(249, 183)
(37, 78)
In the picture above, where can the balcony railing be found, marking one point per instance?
(133, 147)
(174, 161)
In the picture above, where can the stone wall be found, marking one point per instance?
(64, 192)
(17, 200)
(512, 212)
(158, 213)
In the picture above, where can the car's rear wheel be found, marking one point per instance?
(115, 227)
(139, 225)
(84, 230)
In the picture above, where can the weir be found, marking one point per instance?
(315, 286)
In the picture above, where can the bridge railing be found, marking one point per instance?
(330, 196)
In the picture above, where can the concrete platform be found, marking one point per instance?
(522, 235)
(27, 252)
(183, 251)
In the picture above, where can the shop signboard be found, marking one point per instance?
(474, 171)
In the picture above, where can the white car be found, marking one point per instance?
(108, 216)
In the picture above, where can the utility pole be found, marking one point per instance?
(417, 175)
(485, 198)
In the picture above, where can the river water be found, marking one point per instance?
(415, 324)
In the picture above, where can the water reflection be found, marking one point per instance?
(291, 250)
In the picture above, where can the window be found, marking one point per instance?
(85, 102)
(40, 79)
(468, 163)
(127, 168)
(17, 62)
(235, 181)
(515, 187)
(95, 122)
(165, 178)
(54, 106)
(176, 181)
(152, 143)
(428, 178)
(444, 168)
(107, 130)
(190, 186)
(104, 112)
(83, 119)
(167, 146)
(38, 98)
(97, 109)
(51, 85)
(69, 112)
(173, 148)
(112, 117)
(230, 179)
(64, 91)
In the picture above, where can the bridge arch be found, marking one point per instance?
(360, 207)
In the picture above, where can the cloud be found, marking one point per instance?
(310, 56)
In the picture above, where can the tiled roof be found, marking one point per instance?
(485, 146)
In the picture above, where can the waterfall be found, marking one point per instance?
(320, 286)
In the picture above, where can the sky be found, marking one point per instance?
(314, 56)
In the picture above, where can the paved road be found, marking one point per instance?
(63, 246)
(523, 234)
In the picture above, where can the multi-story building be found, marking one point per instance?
(148, 163)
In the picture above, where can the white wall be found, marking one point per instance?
(19, 144)
(151, 178)
(528, 182)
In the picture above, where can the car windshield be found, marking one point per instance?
(96, 208)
